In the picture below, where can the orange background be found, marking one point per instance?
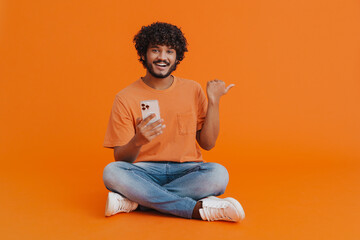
(290, 129)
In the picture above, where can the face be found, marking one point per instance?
(160, 60)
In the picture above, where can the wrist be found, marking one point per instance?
(136, 143)
(213, 101)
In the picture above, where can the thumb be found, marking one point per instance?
(229, 87)
(138, 121)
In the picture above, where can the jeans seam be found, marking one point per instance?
(159, 187)
(187, 214)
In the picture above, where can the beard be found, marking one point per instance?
(150, 68)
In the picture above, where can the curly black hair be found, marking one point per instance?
(160, 33)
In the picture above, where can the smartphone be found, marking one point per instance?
(149, 107)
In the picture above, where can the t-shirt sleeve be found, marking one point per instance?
(202, 107)
(120, 128)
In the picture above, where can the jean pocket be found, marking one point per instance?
(186, 123)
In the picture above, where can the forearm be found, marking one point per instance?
(210, 130)
(128, 152)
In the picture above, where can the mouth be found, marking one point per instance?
(161, 66)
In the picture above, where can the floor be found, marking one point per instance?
(281, 202)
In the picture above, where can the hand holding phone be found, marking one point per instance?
(151, 125)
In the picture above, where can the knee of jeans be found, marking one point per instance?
(111, 171)
(219, 178)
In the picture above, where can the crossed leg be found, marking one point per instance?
(149, 185)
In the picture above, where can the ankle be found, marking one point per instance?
(196, 212)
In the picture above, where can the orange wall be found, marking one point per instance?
(295, 65)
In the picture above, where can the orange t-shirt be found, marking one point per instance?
(182, 106)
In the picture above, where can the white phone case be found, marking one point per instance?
(148, 107)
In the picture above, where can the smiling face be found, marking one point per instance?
(160, 60)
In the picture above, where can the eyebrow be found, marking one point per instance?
(157, 46)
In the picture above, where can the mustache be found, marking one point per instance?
(167, 63)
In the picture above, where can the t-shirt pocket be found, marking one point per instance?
(186, 123)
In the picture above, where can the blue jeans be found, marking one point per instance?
(168, 187)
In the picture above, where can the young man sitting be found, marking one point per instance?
(158, 162)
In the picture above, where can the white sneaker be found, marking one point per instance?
(116, 203)
(227, 209)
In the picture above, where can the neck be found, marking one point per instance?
(158, 83)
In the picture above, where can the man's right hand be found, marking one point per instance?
(146, 132)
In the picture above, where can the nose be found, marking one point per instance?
(162, 55)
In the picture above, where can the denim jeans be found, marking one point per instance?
(168, 187)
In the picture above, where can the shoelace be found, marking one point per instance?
(124, 205)
(216, 211)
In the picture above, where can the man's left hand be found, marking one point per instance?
(215, 89)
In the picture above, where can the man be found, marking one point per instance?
(158, 164)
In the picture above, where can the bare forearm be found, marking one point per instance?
(207, 136)
(128, 152)
(210, 129)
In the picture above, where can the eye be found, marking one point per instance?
(155, 50)
(170, 52)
